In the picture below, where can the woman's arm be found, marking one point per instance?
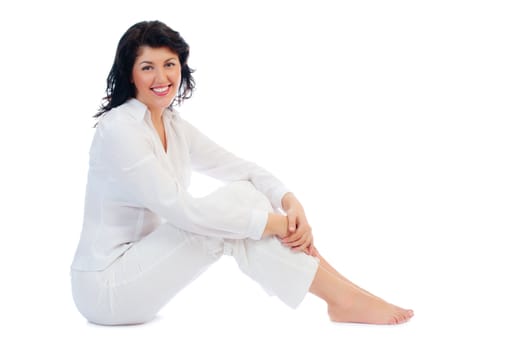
(209, 158)
(276, 226)
(138, 179)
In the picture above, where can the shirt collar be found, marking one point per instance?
(139, 111)
(135, 108)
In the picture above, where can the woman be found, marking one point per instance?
(144, 237)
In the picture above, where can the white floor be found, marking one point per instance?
(459, 302)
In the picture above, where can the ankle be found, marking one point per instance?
(343, 301)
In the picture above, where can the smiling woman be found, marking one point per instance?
(157, 76)
(144, 237)
(135, 51)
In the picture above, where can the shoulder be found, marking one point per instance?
(126, 118)
(180, 120)
(175, 116)
(180, 123)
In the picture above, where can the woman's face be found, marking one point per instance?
(156, 75)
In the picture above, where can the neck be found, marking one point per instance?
(156, 115)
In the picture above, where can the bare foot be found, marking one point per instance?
(363, 307)
(349, 303)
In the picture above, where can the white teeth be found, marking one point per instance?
(163, 89)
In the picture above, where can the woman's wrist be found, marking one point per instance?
(276, 225)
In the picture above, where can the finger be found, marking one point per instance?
(311, 249)
(312, 245)
(296, 245)
(292, 237)
(291, 222)
(305, 243)
(302, 242)
(308, 243)
(294, 240)
(307, 239)
(303, 226)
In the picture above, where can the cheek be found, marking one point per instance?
(140, 83)
(135, 76)
(176, 78)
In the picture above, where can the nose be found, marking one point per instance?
(160, 76)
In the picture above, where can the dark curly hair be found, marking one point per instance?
(119, 87)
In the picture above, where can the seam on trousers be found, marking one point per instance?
(157, 262)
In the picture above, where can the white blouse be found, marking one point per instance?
(134, 185)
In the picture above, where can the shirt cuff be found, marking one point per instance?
(277, 195)
(257, 225)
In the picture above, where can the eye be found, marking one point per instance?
(170, 64)
(145, 68)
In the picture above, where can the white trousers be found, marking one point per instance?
(138, 284)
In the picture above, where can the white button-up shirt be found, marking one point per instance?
(134, 185)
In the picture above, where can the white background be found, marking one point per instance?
(401, 126)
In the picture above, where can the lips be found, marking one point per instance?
(161, 90)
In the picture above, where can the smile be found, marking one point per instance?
(161, 91)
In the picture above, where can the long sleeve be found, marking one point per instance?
(141, 179)
(209, 158)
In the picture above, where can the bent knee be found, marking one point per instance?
(247, 195)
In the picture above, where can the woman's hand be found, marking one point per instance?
(300, 236)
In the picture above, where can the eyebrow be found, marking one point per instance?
(150, 62)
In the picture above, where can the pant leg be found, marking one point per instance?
(138, 284)
(278, 269)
